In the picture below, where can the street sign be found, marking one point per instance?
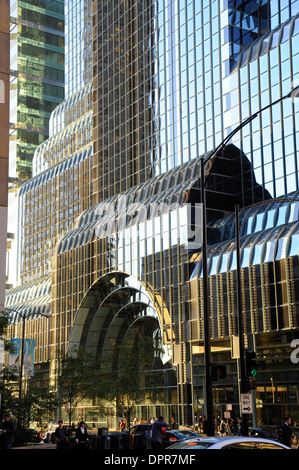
(246, 403)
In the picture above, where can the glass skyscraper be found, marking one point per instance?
(36, 88)
(104, 224)
(37, 77)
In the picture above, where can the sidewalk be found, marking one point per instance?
(39, 446)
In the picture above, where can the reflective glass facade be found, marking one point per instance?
(106, 219)
(37, 76)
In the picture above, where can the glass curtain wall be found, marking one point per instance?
(37, 76)
(170, 79)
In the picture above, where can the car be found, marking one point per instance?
(227, 442)
(50, 434)
(35, 436)
(189, 433)
(260, 433)
(172, 436)
(141, 428)
(142, 433)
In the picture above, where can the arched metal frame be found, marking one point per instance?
(110, 313)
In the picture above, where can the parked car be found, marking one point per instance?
(227, 442)
(260, 433)
(141, 435)
(141, 428)
(50, 434)
(189, 433)
(36, 436)
(170, 437)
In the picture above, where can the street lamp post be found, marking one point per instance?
(24, 318)
(210, 429)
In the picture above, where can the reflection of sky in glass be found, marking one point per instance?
(259, 221)
(200, 103)
(214, 263)
(294, 212)
(282, 215)
(294, 245)
(281, 248)
(223, 266)
(257, 254)
(270, 245)
(245, 256)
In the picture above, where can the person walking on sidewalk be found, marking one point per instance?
(286, 431)
(158, 430)
(82, 440)
(8, 431)
(61, 436)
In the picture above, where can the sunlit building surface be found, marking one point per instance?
(105, 224)
(37, 76)
(36, 88)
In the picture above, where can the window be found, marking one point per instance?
(241, 445)
(264, 445)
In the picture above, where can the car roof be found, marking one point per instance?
(217, 440)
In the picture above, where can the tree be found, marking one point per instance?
(4, 322)
(38, 402)
(126, 378)
(77, 380)
(7, 374)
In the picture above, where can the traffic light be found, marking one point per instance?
(250, 363)
(218, 372)
(252, 383)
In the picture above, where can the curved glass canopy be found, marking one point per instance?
(30, 299)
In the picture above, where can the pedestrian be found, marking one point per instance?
(239, 427)
(222, 428)
(157, 433)
(286, 431)
(231, 428)
(8, 431)
(81, 437)
(122, 426)
(61, 436)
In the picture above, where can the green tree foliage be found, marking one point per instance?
(126, 378)
(77, 380)
(38, 403)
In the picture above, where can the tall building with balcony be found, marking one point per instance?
(104, 224)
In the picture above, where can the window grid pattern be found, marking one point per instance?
(161, 98)
(269, 278)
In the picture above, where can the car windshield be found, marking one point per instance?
(140, 428)
(257, 432)
(178, 434)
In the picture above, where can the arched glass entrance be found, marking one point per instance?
(118, 317)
